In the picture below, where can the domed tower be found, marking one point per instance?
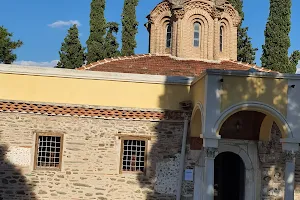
(195, 29)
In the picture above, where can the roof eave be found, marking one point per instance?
(274, 75)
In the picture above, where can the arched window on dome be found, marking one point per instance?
(197, 28)
(221, 38)
(168, 35)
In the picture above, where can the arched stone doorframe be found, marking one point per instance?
(250, 189)
(290, 145)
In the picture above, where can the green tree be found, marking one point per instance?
(95, 43)
(294, 60)
(246, 53)
(277, 40)
(111, 44)
(7, 46)
(129, 27)
(71, 52)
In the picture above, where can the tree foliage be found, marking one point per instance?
(95, 43)
(111, 44)
(7, 46)
(246, 53)
(71, 53)
(129, 27)
(294, 60)
(277, 41)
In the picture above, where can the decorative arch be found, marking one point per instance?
(197, 120)
(233, 14)
(269, 111)
(207, 26)
(249, 169)
(161, 31)
(158, 17)
(226, 23)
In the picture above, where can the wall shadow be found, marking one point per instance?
(13, 183)
(165, 149)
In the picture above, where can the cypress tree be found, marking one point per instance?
(277, 41)
(95, 43)
(111, 44)
(7, 46)
(129, 27)
(294, 60)
(246, 53)
(71, 53)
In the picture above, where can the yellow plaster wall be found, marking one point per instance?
(196, 124)
(269, 91)
(198, 92)
(265, 129)
(91, 92)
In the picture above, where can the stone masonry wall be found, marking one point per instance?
(90, 160)
(273, 166)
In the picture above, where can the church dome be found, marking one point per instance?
(197, 29)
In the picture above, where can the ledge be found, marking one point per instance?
(78, 74)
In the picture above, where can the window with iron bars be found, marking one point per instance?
(133, 157)
(48, 151)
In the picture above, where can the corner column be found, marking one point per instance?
(210, 144)
(290, 147)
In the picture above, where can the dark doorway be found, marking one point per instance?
(229, 177)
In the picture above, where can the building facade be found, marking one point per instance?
(183, 122)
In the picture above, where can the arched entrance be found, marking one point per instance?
(229, 177)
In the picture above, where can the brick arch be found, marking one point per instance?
(230, 37)
(208, 23)
(226, 37)
(158, 34)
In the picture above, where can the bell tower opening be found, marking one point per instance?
(229, 177)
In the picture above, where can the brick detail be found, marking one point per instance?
(51, 110)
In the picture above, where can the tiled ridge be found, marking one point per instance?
(108, 60)
(254, 66)
(57, 110)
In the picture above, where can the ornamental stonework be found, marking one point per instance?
(198, 4)
(233, 14)
(210, 152)
(179, 13)
(161, 8)
(90, 112)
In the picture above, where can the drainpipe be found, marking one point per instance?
(182, 158)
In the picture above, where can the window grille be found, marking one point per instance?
(134, 155)
(48, 151)
(168, 36)
(196, 34)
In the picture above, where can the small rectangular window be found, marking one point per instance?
(48, 152)
(133, 155)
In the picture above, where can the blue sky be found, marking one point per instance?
(42, 25)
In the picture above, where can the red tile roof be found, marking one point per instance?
(165, 65)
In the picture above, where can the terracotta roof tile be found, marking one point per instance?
(165, 65)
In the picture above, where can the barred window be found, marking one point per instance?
(48, 151)
(134, 155)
